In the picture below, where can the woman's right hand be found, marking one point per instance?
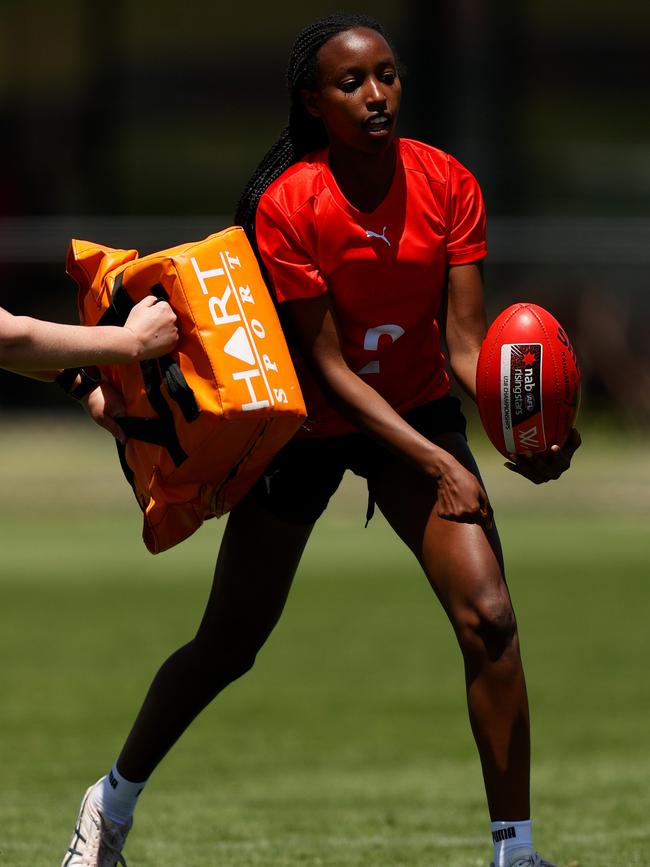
(153, 323)
(461, 497)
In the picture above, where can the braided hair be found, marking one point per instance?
(303, 133)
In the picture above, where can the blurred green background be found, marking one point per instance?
(138, 123)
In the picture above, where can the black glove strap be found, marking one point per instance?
(66, 379)
(89, 378)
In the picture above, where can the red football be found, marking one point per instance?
(527, 381)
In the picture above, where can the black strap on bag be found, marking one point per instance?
(160, 431)
(177, 387)
(121, 305)
(166, 429)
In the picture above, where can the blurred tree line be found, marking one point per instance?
(138, 123)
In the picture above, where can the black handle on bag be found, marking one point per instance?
(160, 431)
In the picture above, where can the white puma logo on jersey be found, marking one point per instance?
(371, 234)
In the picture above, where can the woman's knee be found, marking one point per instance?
(486, 626)
(218, 663)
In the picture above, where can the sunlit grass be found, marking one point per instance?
(348, 743)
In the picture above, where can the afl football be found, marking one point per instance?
(527, 381)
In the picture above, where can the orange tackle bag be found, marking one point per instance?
(202, 422)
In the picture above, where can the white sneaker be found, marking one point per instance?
(524, 858)
(96, 842)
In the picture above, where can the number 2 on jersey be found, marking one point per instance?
(371, 343)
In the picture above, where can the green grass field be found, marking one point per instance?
(348, 744)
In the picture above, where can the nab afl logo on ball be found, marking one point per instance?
(527, 381)
(521, 397)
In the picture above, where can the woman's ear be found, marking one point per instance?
(310, 101)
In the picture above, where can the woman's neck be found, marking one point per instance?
(364, 179)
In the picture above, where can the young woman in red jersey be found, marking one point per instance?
(365, 239)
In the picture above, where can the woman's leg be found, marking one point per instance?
(465, 568)
(257, 560)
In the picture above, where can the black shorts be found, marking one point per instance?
(301, 478)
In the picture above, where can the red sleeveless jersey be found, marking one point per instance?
(385, 270)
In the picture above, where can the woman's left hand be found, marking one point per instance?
(104, 404)
(544, 466)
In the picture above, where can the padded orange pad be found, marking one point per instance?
(222, 404)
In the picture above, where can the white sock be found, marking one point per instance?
(508, 837)
(116, 797)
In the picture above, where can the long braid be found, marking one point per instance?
(303, 133)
